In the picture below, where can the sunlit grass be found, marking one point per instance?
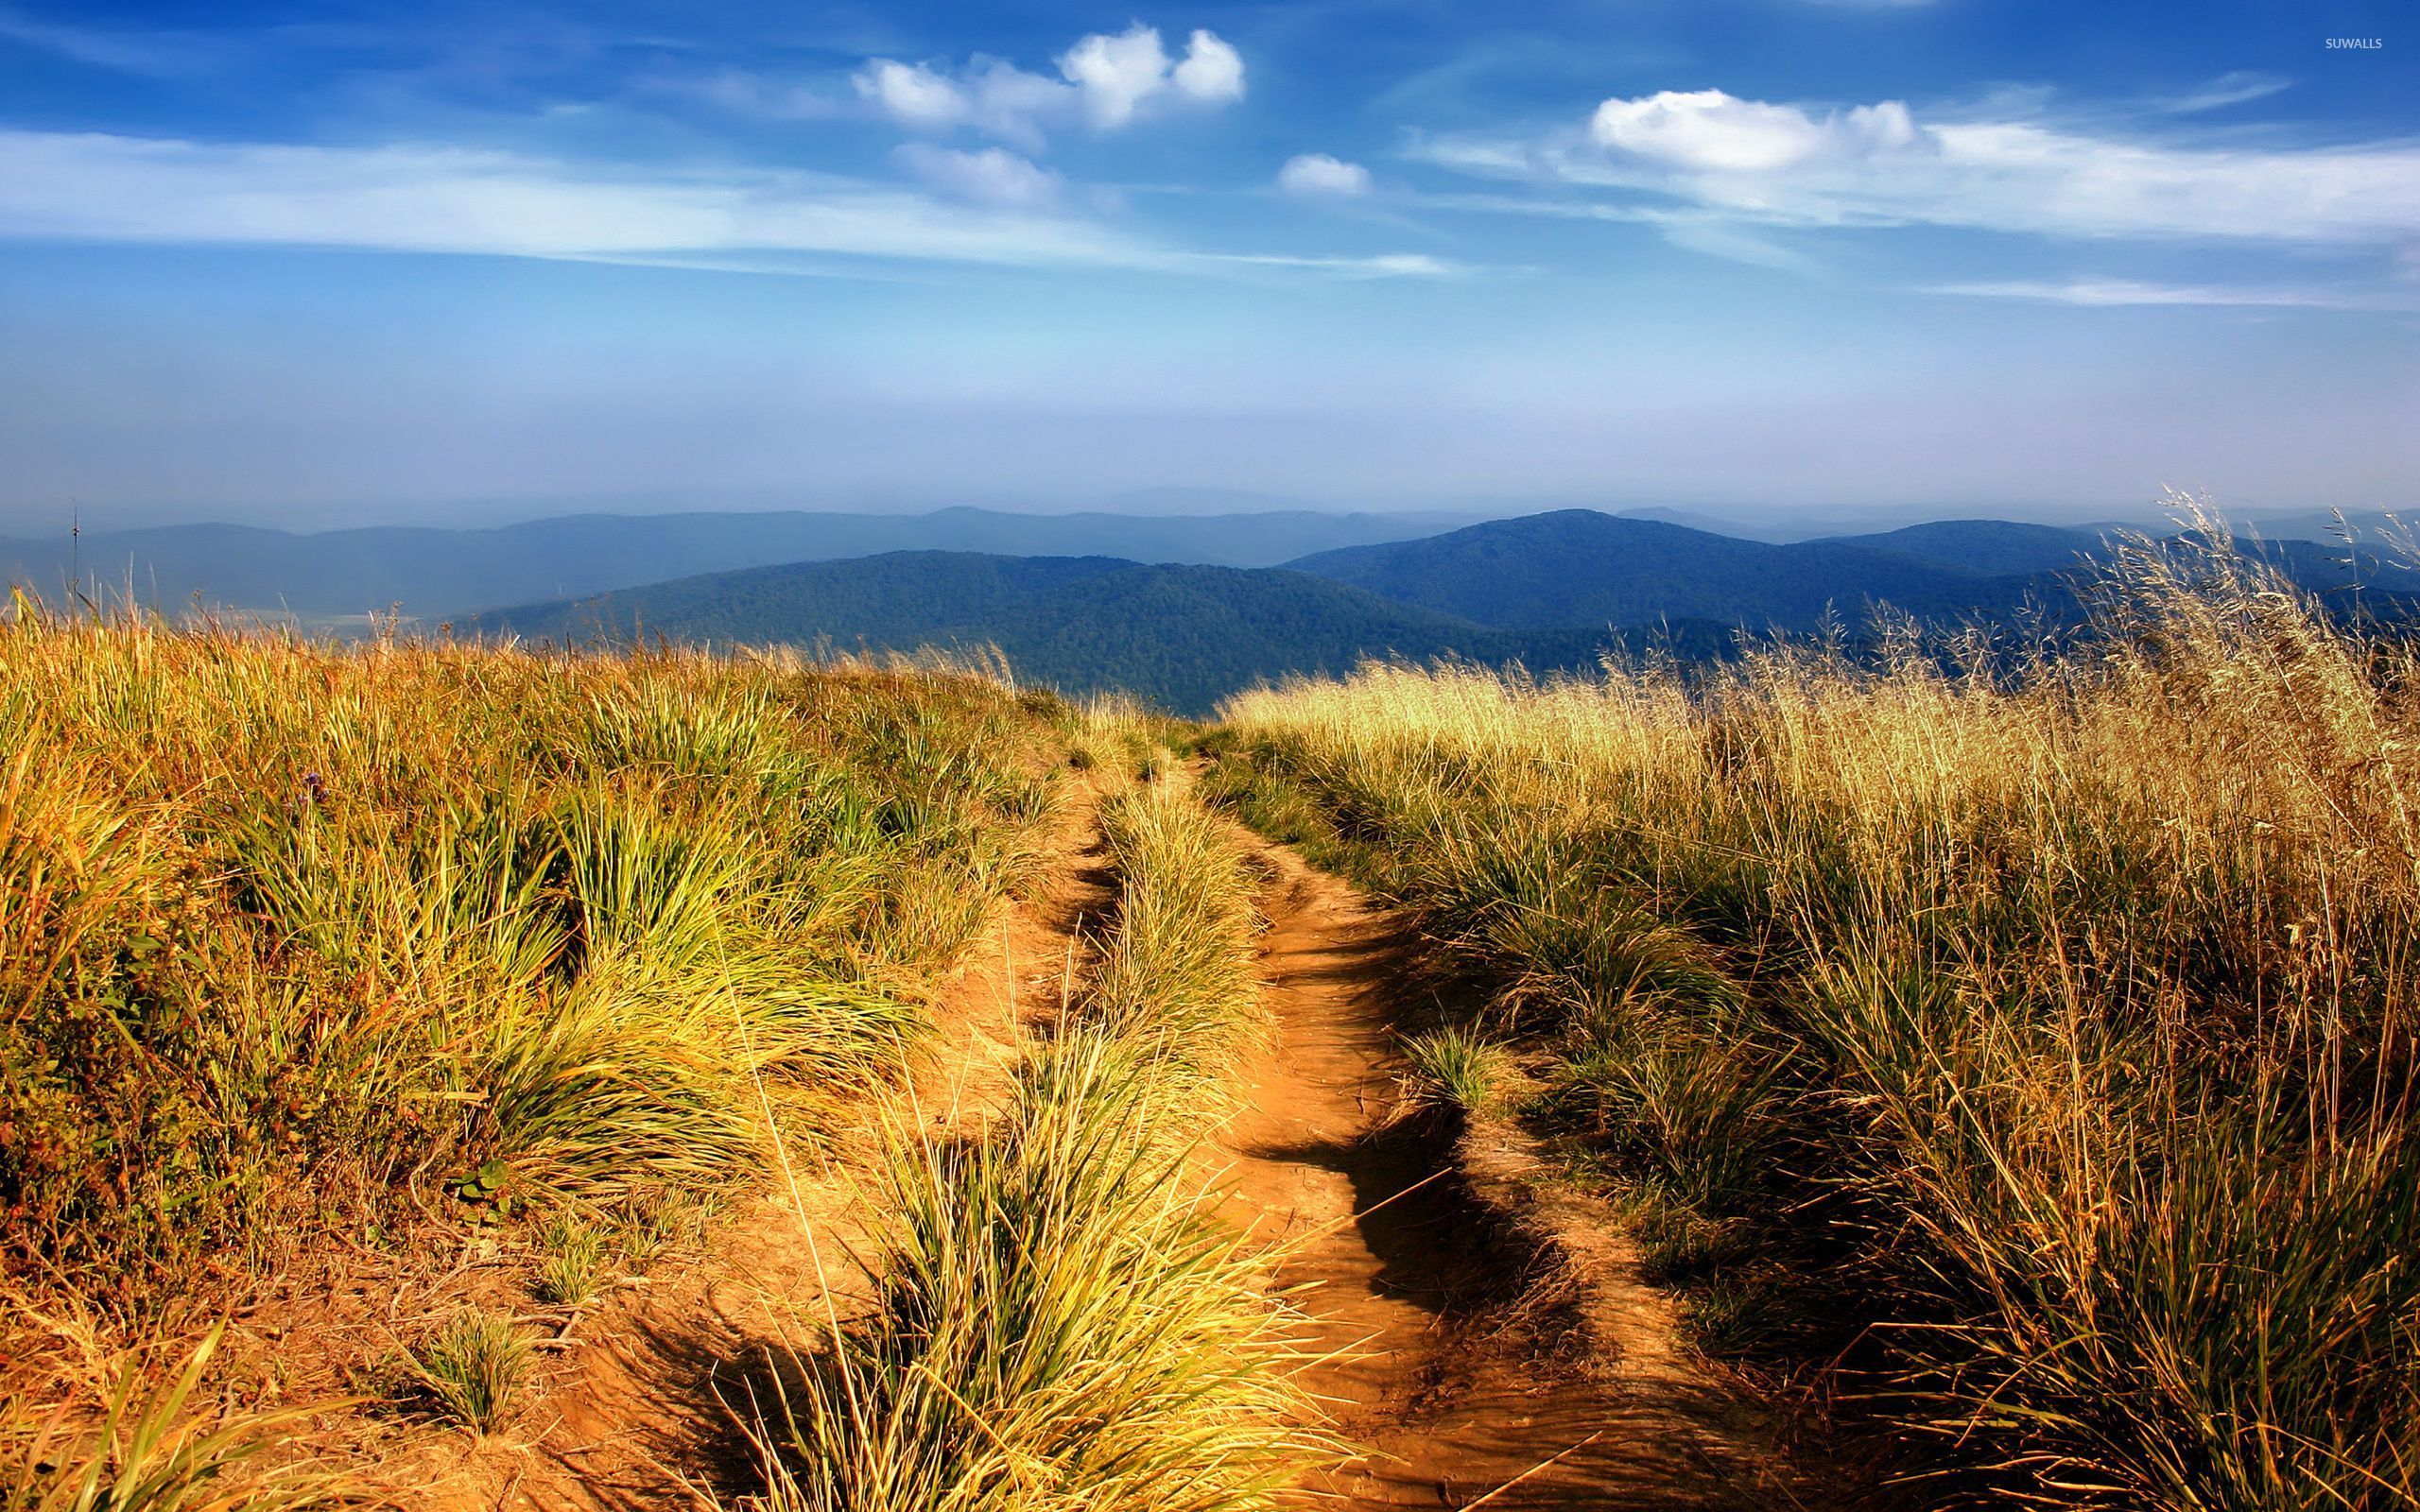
(2058, 994)
(281, 921)
(152, 1446)
(1061, 1317)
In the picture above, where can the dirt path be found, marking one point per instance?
(1462, 1385)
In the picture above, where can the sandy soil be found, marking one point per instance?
(1473, 1368)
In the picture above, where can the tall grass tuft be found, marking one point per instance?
(2047, 1007)
(1061, 1318)
(148, 1451)
(1061, 1322)
(476, 1368)
(295, 934)
(1175, 970)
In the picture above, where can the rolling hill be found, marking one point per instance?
(1552, 592)
(432, 574)
(1579, 567)
(1183, 635)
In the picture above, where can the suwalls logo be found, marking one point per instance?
(2362, 43)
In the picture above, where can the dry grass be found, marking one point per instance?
(2058, 997)
(1061, 1320)
(145, 1451)
(307, 948)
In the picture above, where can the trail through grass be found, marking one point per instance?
(1061, 1320)
(2027, 1029)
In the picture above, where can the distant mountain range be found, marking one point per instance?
(432, 574)
(1552, 591)
(1183, 608)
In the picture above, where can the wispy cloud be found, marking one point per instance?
(101, 188)
(2101, 292)
(2238, 88)
(743, 93)
(1880, 165)
(995, 176)
(151, 53)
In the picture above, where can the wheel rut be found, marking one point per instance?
(1461, 1381)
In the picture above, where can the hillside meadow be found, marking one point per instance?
(2002, 1047)
(2012, 1044)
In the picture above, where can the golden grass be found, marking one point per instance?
(1061, 1319)
(2059, 996)
(386, 943)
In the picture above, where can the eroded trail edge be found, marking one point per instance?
(1487, 1338)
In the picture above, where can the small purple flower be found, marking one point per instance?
(314, 788)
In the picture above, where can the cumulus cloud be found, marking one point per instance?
(995, 176)
(1706, 129)
(1880, 166)
(1115, 74)
(1213, 71)
(1316, 174)
(1106, 80)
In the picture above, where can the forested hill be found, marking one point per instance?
(1552, 592)
(1182, 635)
(1579, 567)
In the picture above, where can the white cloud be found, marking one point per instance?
(2105, 292)
(995, 176)
(1115, 74)
(1386, 264)
(159, 55)
(1213, 71)
(1879, 165)
(1317, 174)
(1106, 80)
(2238, 88)
(2219, 92)
(1706, 129)
(79, 187)
(747, 94)
(913, 95)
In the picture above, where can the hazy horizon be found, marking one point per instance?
(1773, 259)
(1751, 521)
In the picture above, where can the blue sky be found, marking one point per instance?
(318, 265)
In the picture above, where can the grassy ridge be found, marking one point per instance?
(295, 939)
(2061, 1025)
(1061, 1320)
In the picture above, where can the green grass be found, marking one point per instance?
(476, 1368)
(1458, 1067)
(571, 1261)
